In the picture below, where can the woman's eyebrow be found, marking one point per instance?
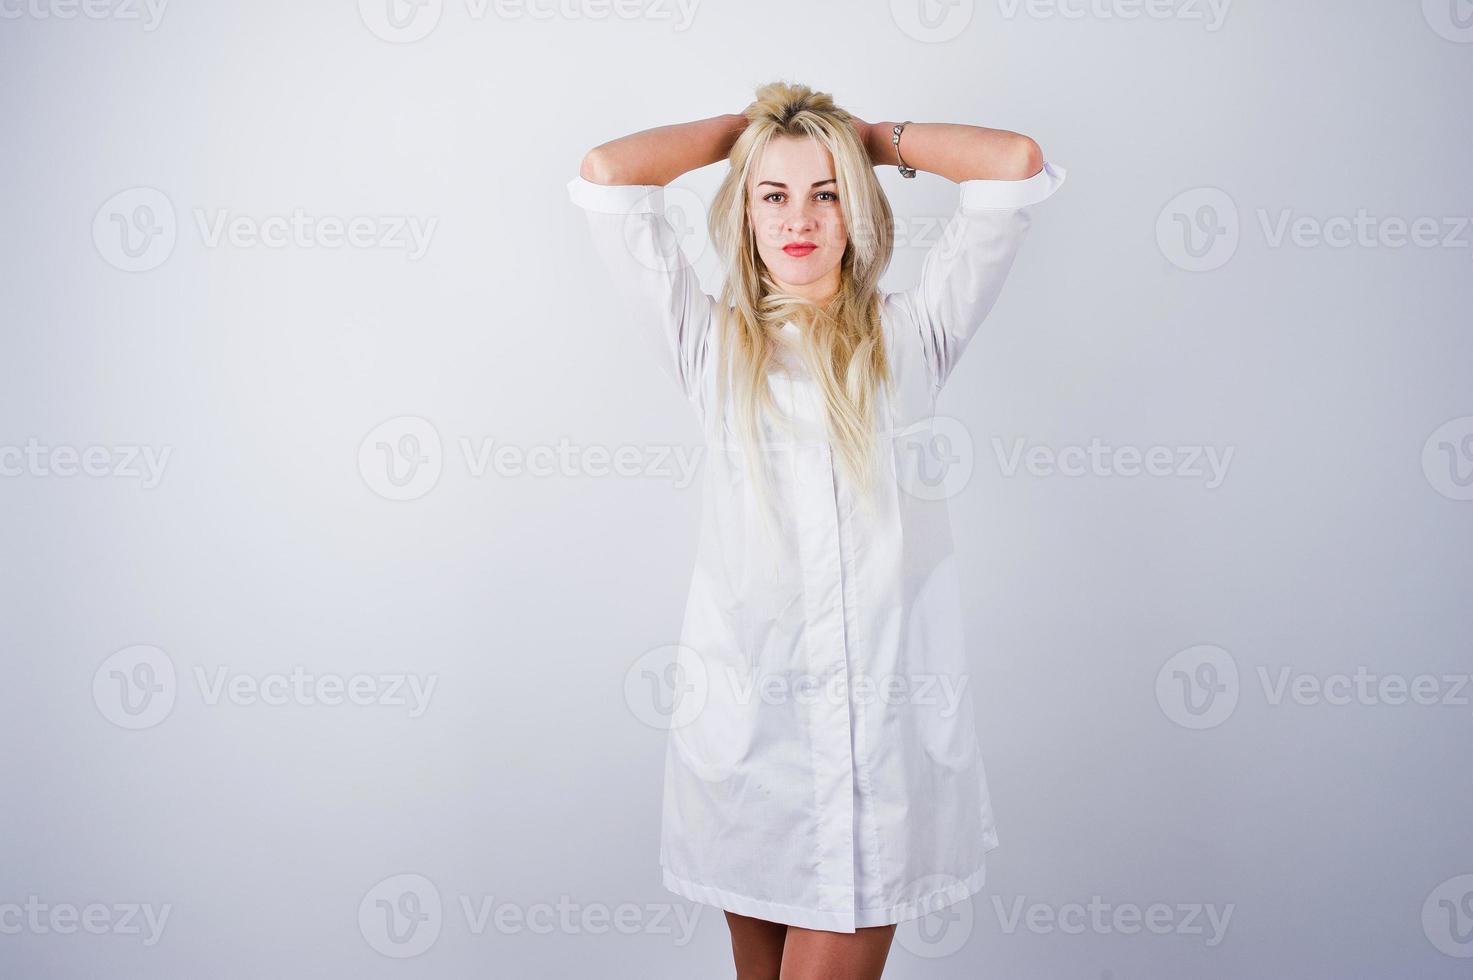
(774, 183)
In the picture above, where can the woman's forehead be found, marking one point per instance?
(793, 159)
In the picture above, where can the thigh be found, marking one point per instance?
(757, 946)
(813, 954)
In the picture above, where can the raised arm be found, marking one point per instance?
(1000, 175)
(659, 155)
(955, 151)
(621, 187)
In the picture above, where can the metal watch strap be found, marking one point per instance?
(895, 138)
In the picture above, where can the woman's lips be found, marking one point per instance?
(798, 251)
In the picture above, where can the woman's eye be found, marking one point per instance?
(827, 196)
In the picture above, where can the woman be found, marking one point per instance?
(823, 779)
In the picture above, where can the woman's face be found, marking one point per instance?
(793, 201)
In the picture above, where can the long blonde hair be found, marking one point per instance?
(841, 342)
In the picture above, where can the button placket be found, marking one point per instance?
(831, 721)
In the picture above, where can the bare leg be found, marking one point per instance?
(757, 946)
(813, 954)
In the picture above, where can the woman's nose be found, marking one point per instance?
(800, 219)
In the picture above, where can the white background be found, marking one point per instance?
(1340, 378)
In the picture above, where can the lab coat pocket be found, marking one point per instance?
(937, 668)
(717, 715)
(949, 733)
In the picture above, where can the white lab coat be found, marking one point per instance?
(797, 790)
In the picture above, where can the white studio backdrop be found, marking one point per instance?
(344, 517)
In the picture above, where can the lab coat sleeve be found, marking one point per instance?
(963, 273)
(640, 247)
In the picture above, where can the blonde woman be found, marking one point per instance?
(823, 778)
